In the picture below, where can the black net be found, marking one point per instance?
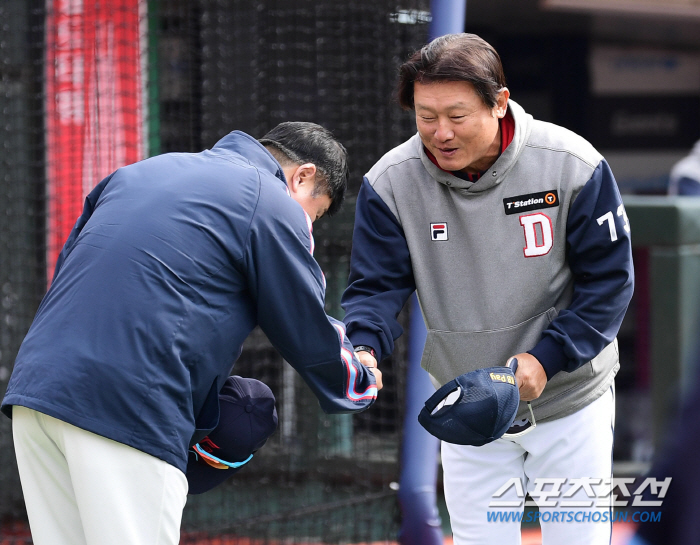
(22, 190)
(86, 87)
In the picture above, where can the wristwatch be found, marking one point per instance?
(364, 348)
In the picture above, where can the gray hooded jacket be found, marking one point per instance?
(534, 256)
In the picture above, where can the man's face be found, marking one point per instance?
(456, 126)
(314, 206)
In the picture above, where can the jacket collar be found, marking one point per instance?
(498, 171)
(251, 150)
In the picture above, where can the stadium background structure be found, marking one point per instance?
(209, 66)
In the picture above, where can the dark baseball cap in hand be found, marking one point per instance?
(247, 418)
(484, 405)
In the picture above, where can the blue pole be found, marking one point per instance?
(420, 521)
(448, 17)
(420, 524)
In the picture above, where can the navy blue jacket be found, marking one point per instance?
(173, 262)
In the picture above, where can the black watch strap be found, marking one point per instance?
(365, 348)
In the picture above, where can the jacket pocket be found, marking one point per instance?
(448, 354)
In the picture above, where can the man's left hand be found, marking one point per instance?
(530, 376)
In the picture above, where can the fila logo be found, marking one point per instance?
(539, 234)
(438, 231)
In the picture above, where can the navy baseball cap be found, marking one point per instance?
(247, 417)
(477, 407)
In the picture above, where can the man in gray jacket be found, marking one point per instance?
(514, 235)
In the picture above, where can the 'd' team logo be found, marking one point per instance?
(438, 231)
(539, 234)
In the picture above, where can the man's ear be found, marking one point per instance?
(501, 107)
(302, 178)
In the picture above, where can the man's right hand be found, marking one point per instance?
(368, 360)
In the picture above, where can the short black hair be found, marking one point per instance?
(302, 142)
(453, 57)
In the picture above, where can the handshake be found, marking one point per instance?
(366, 356)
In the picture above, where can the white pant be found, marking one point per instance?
(578, 446)
(81, 488)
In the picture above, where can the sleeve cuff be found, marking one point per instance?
(366, 338)
(551, 356)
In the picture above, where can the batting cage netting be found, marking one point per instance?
(88, 86)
